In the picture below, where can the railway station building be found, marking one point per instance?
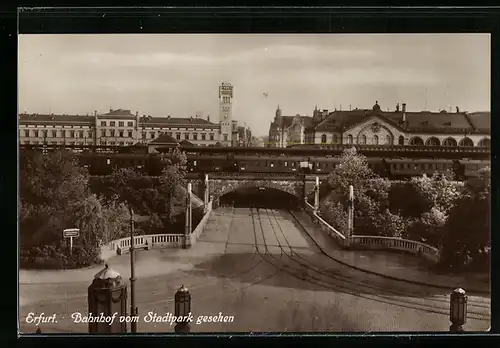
(122, 127)
(376, 127)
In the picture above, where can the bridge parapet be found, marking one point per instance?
(375, 242)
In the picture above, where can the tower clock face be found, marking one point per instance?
(225, 108)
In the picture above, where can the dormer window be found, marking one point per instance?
(447, 124)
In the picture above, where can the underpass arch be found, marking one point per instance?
(220, 189)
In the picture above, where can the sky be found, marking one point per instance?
(179, 75)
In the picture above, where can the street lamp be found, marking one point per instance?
(458, 310)
(182, 302)
(133, 308)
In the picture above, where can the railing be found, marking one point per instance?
(147, 242)
(201, 225)
(152, 241)
(378, 242)
(375, 242)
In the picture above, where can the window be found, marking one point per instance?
(433, 141)
(484, 143)
(212, 136)
(121, 134)
(203, 136)
(335, 139)
(103, 123)
(388, 140)
(54, 134)
(130, 124)
(178, 136)
(416, 141)
(112, 132)
(225, 137)
(112, 123)
(323, 139)
(130, 134)
(63, 133)
(45, 133)
(121, 124)
(103, 133)
(375, 139)
(27, 133)
(91, 134)
(186, 136)
(81, 134)
(152, 134)
(467, 142)
(169, 134)
(349, 139)
(363, 139)
(286, 164)
(195, 136)
(72, 134)
(401, 140)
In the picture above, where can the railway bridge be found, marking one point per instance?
(218, 184)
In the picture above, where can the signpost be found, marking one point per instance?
(71, 233)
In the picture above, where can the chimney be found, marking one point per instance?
(458, 109)
(404, 108)
(137, 114)
(208, 118)
(397, 107)
(95, 112)
(168, 117)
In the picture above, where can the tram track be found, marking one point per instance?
(341, 283)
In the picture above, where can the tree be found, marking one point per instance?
(51, 187)
(467, 233)
(172, 180)
(371, 195)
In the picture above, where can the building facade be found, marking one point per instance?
(377, 127)
(123, 128)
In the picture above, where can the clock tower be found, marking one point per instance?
(225, 112)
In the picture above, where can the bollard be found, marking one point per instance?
(182, 302)
(458, 310)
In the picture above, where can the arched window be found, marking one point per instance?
(349, 139)
(484, 143)
(416, 141)
(401, 140)
(466, 142)
(388, 140)
(433, 141)
(363, 139)
(449, 142)
(335, 139)
(375, 139)
(323, 139)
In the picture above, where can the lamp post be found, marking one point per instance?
(458, 310)
(189, 221)
(182, 302)
(133, 308)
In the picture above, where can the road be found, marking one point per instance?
(259, 266)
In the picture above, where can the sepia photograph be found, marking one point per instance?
(252, 183)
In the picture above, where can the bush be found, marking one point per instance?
(59, 257)
(427, 228)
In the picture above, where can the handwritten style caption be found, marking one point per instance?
(151, 317)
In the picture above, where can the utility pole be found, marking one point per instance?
(133, 308)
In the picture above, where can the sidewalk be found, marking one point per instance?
(149, 263)
(394, 264)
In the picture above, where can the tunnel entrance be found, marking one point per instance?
(259, 197)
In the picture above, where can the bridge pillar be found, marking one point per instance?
(316, 195)
(186, 240)
(206, 194)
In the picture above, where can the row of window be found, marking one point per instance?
(113, 133)
(178, 136)
(415, 141)
(86, 142)
(54, 134)
(120, 124)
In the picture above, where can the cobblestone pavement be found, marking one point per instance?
(259, 267)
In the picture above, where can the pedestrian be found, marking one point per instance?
(38, 331)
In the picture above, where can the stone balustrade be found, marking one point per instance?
(154, 241)
(375, 242)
